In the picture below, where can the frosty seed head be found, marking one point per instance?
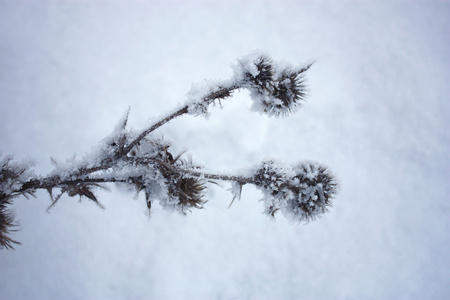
(270, 175)
(313, 187)
(275, 90)
(13, 175)
(7, 224)
(259, 72)
(301, 192)
(184, 192)
(270, 178)
(290, 88)
(173, 190)
(189, 192)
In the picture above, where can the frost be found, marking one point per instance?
(301, 192)
(276, 89)
(236, 190)
(246, 65)
(13, 174)
(200, 97)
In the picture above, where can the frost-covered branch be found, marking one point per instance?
(301, 191)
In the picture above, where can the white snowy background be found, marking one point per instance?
(377, 115)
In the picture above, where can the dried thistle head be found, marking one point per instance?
(270, 177)
(260, 73)
(13, 176)
(314, 187)
(301, 192)
(290, 89)
(274, 90)
(162, 179)
(7, 224)
(189, 192)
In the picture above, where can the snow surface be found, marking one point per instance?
(377, 116)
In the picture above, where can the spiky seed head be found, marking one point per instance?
(313, 187)
(7, 224)
(275, 91)
(301, 192)
(261, 75)
(189, 191)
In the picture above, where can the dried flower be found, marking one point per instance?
(301, 192)
(7, 224)
(13, 175)
(275, 91)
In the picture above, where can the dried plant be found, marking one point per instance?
(301, 191)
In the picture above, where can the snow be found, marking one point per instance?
(197, 106)
(246, 64)
(69, 70)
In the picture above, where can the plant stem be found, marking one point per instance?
(136, 141)
(237, 178)
(220, 94)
